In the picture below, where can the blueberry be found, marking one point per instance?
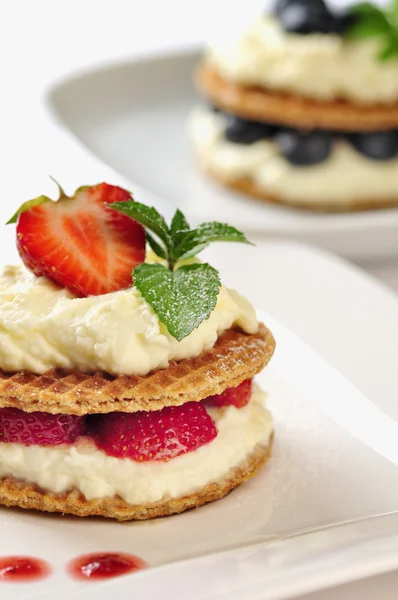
(305, 16)
(242, 131)
(304, 148)
(377, 145)
(280, 5)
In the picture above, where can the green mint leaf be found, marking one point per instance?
(366, 29)
(366, 9)
(179, 223)
(389, 50)
(27, 206)
(157, 248)
(372, 21)
(189, 243)
(147, 216)
(182, 299)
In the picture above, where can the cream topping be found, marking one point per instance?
(96, 475)
(320, 66)
(43, 326)
(345, 176)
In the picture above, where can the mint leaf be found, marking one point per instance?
(366, 9)
(190, 243)
(27, 206)
(365, 29)
(180, 242)
(147, 216)
(372, 21)
(182, 299)
(389, 50)
(157, 248)
(179, 223)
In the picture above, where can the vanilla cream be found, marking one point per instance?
(84, 467)
(345, 176)
(319, 66)
(43, 326)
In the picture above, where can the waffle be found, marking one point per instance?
(260, 104)
(24, 495)
(249, 187)
(236, 356)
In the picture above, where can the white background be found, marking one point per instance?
(42, 40)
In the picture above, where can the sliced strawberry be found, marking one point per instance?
(157, 435)
(41, 429)
(79, 243)
(238, 396)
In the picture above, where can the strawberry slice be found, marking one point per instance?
(238, 396)
(158, 435)
(79, 243)
(41, 429)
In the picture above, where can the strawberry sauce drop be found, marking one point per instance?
(104, 565)
(23, 569)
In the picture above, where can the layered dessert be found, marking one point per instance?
(126, 368)
(302, 107)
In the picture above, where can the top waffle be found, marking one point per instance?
(235, 357)
(259, 104)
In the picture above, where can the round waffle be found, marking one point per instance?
(25, 495)
(260, 104)
(236, 356)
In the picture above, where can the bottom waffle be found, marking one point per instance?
(24, 495)
(250, 188)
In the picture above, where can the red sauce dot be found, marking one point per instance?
(103, 565)
(20, 569)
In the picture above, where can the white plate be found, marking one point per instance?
(132, 116)
(353, 322)
(316, 476)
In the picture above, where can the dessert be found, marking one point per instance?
(303, 107)
(125, 373)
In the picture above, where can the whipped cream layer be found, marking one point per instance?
(96, 475)
(345, 176)
(43, 326)
(324, 67)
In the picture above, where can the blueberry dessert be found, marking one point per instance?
(304, 107)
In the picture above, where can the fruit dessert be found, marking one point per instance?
(126, 374)
(303, 107)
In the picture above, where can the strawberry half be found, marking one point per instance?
(238, 396)
(79, 243)
(41, 429)
(158, 435)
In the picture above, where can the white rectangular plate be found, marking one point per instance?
(318, 474)
(132, 116)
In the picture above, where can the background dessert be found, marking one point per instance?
(304, 108)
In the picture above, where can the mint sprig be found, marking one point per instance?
(182, 296)
(179, 241)
(371, 21)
